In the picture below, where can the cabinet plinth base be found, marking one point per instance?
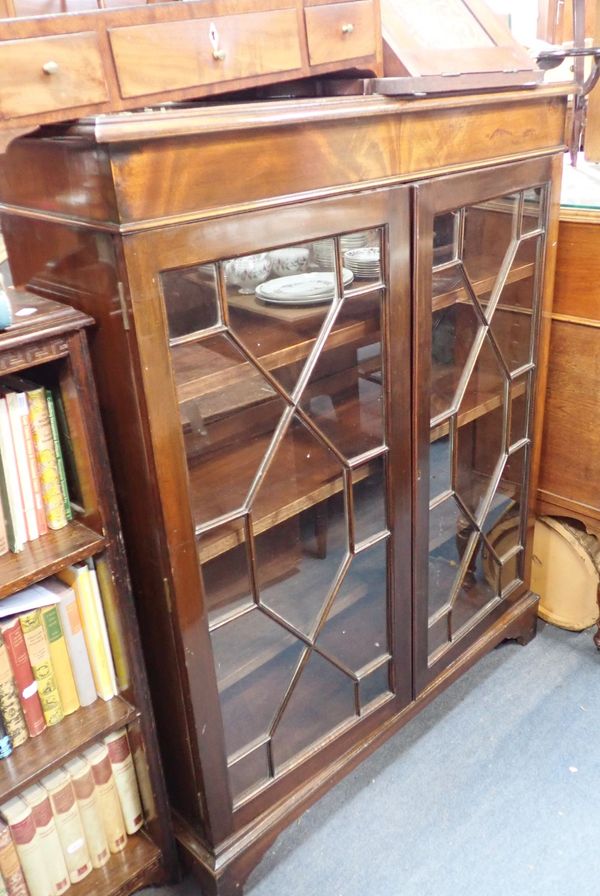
(224, 872)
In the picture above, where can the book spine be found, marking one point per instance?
(123, 770)
(31, 857)
(3, 887)
(10, 708)
(103, 627)
(59, 658)
(4, 547)
(59, 458)
(16, 428)
(56, 869)
(27, 686)
(80, 661)
(5, 511)
(70, 830)
(108, 798)
(79, 579)
(34, 472)
(68, 452)
(43, 441)
(10, 867)
(91, 816)
(11, 481)
(39, 657)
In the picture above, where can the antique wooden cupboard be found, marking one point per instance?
(326, 500)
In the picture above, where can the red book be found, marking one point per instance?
(10, 867)
(26, 684)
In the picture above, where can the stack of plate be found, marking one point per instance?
(364, 262)
(323, 250)
(312, 288)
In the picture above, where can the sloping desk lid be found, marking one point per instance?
(448, 45)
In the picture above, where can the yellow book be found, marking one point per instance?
(41, 664)
(45, 453)
(59, 657)
(78, 578)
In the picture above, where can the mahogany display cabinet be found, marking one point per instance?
(320, 350)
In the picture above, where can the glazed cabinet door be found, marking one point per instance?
(285, 337)
(480, 242)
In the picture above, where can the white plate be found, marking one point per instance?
(365, 255)
(302, 288)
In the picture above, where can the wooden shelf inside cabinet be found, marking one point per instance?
(487, 397)
(124, 872)
(447, 292)
(39, 755)
(46, 555)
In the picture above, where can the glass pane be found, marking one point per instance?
(479, 457)
(362, 254)
(323, 698)
(249, 772)
(375, 685)
(519, 409)
(490, 228)
(255, 659)
(225, 567)
(440, 466)
(533, 209)
(356, 630)
(450, 531)
(191, 299)
(447, 237)
(368, 498)
(454, 330)
(344, 395)
(299, 561)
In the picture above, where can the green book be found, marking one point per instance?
(66, 444)
(59, 455)
(5, 510)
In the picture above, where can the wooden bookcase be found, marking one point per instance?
(48, 343)
(327, 507)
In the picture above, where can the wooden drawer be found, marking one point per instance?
(175, 55)
(43, 74)
(340, 31)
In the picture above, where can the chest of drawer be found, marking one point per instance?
(44, 74)
(339, 31)
(177, 55)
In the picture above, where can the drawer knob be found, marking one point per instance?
(50, 67)
(347, 28)
(219, 54)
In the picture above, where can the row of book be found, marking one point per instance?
(34, 495)
(58, 830)
(55, 653)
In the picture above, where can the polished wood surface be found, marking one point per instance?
(58, 67)
(268, 458)
(570, 476)
(47, 343)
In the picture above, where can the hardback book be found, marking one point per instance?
(88, 802)
(27, 686)
(23, 470)
(10, 707)
(68, 611)
(45, 453)
(28, 844)
(59, 457)
(41, 664)
(10, 481)
(103, 627)
(3, 887)
(68, 452)
(18, 402)
(78, 578)
(7, 534)
(108, 796)
(10, 866)
(59, 658)
(36, 798)
(123, 770)
(68, 823)
(4, 546)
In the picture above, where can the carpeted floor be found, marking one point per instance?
(493, 790)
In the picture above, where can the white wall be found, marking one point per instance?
(523, 17)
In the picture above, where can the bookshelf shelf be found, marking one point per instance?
(46, 555)
(40, 755)
(125, 871)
